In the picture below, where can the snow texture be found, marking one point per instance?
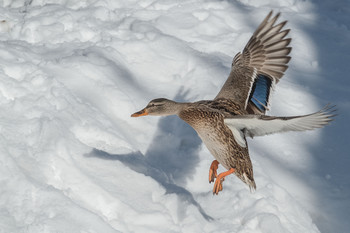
(72, 159)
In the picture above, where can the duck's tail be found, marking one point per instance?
(248, 179)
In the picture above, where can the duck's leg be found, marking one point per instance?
(212, 170)
(221, 177)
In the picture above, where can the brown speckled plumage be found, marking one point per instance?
(207, 118)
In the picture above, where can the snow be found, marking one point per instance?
(72, 159)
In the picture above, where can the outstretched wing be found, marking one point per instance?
(261, 64)
(259, 125)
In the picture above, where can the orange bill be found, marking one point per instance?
(143, 112)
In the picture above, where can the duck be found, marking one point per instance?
(238, 110)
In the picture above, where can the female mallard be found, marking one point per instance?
(238, 110)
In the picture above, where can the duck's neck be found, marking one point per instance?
(177, 107)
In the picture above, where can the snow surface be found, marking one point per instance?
(72, 159)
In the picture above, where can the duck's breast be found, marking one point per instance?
(211, 129)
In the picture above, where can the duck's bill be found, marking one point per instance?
(143, 112)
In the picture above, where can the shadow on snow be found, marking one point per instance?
(170, 158)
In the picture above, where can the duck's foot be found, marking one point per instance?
(220, 178)
(212, 170)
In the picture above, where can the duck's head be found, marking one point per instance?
(159, 107)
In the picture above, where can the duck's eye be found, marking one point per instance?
(154, 104)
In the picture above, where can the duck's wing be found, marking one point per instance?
(261, 64)
(259, 125)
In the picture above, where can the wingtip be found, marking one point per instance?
(269, 15)
(329, 109)
(277, 15)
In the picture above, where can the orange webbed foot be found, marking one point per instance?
(212, 170)
(220, 178)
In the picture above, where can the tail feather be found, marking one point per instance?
(249, 180)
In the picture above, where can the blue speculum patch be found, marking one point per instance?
(261, 91)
